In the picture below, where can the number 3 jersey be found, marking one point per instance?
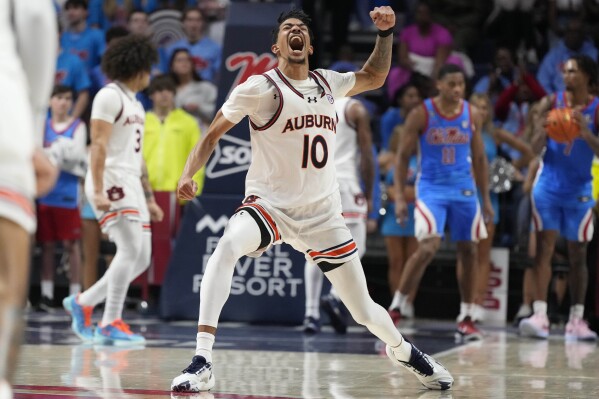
(293, 131)
(445, 156)
(116, 104)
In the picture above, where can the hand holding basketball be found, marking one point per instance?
(562, 125)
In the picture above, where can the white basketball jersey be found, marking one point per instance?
(347, 153)
(123, 152)
(293, 155)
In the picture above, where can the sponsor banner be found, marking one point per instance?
(266, 289)
(495, 302)
(246, 52)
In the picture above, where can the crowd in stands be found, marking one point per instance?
(512, 52)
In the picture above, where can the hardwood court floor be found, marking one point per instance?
(273, 362)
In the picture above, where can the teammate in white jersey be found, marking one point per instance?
(291, 189)
(121, 197)
(27, 52)
(353, 160)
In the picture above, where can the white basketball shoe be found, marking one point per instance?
(196, 377)
(429, 372)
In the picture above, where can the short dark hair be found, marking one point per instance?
(116, 32)
(61, 89)
(128, 57)
(136, 11)
(297, 14)
(187, 10)
(450, 68)
(588, 66)
(75, 4)
(162, 82)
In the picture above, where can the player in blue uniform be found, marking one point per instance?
(561, 198)
(448, 132)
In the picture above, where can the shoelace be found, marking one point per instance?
(197, 364)
(121, 325)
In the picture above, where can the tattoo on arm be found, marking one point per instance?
(379, 61)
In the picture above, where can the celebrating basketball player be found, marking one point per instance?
(448, 131)
(561, 198)
(292, 193)
(27, 34)
(121, 197)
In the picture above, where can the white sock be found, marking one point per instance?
(403, 351)
(74, 288)
(204, 342)
(577, 312)
(395, 301)
(313, 280)
(465, 310)
(539, 307)
(48, 288)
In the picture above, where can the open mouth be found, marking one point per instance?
(296, 44)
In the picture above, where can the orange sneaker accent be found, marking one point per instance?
(121, 325)
(87, 312)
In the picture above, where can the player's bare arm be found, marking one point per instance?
(407, 146)
(480, 164)
(100, 134)
(200, 154)
(503, 136)
(156, 213)
(45, 173)
(585, 132)
(539, 136)
(359, 115)
(375, 71)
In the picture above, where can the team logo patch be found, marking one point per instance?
(311, 99)
(468, 193)
(115, 193)
(330, 98)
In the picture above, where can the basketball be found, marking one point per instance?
(561, 125)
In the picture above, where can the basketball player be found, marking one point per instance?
(561, 199)
(353, 159)
(120, 196)
(448, 132)
(27, 49)
(292, 193)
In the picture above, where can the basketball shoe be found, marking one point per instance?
(535, 326)
(82, 318)
(196, 377)
(334, 309)
(467, 331)
(578, 330)
(429, 372)
(311, 325)
(117, 333)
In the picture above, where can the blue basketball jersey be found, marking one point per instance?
(566, 167)
(65, 193)
(445, 157)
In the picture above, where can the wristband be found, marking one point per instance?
(385, 33)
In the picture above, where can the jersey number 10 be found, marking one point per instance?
(311, 151)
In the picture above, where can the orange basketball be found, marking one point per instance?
(561, 126)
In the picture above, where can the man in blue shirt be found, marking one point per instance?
(79, 39)
(71, 72)
(205, 52)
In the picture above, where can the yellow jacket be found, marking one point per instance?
(166, 147)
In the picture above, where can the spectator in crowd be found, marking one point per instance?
(205, 52)
(194, 95)
(150, 6)
(79, 39)
(215, 12)
(559, 12)
(105, 14)
(71, 71)
(98, 76)
(404, 100)
(492, 138)
(574, 42)
(170, 134)
(138, 23)
(400, 240)
(58, 211)
(502, 75)
(423, 48)
(463, 19)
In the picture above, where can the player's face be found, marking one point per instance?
(452, 86)
(573, 76)
(61, 104)
(293, 43)
(410, 99)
